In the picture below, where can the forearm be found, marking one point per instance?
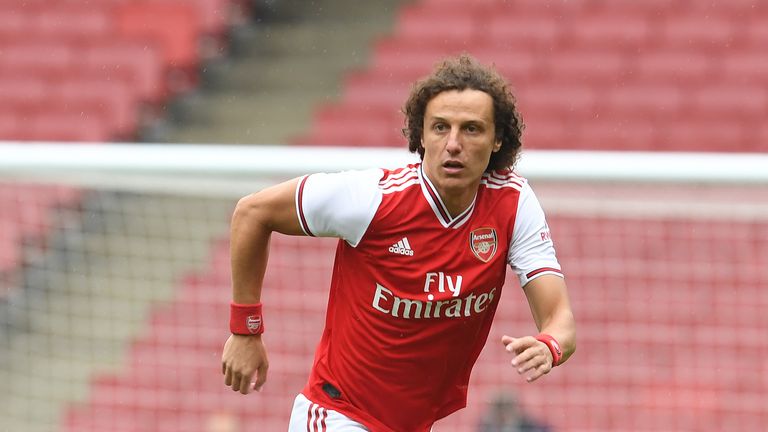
(249, 252)
(551, 309)
(255, 218)
(562, 326)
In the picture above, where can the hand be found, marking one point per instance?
(532, 358)
(243, 357)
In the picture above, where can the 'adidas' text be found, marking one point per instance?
(402, 247)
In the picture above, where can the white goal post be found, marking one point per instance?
(621, 183)
(93, 165)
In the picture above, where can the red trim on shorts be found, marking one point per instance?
(322, 419)
(316, 416)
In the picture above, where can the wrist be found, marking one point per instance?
(246, 319)
(554, 347)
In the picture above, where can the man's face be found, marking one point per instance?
(459, 137)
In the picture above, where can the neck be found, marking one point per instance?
(455, 198)
(457, 201)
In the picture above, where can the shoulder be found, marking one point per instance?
(506, 186)
(398, 179)
(504, 180)
(342, 181)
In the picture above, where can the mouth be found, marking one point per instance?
(452, 166)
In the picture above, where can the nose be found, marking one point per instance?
(453, 145)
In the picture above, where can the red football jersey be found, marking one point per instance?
(414, 290)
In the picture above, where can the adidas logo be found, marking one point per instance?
(402, 247)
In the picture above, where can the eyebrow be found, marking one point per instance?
(471, 121)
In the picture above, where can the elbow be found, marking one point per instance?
(248, 210)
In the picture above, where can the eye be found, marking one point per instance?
(472, 128)
(440, 127)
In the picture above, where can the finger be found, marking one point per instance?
(506, 340)
(261, 377)
(227, 376)
(523, 357)
(236, 378)
(538, 372)
(533, 363)
(245, 384)
(523, 343)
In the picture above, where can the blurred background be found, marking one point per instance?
(114, 298)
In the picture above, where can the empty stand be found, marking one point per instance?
(174, 26)
(633, 63)
(152, 47)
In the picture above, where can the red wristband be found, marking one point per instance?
(246, 319)
(554, 347)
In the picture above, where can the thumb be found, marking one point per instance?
(506, 340)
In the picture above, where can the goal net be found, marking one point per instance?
(114, 290)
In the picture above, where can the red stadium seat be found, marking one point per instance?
(635, 7)
(705, 136)
(404, 63)
(642, 101)
(512, 28)
(757, 30)
(706, 32)
(174, 26)
(679, 67)
(35, 53)
(86, 126)
(718, 101)
(518, 66)
(622, 31)
(137, 63)
(745, 68)
(427, 24)
(569, 100)
(586, 67)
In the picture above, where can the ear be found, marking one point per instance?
(496, 146)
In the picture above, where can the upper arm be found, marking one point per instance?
(531, 251)
(273, 207)
(338, 205)
(324, 205)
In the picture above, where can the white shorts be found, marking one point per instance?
(308, 416)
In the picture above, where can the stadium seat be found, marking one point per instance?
(745, 67)
(404, 62)
(175, 26)
(426, 24)
(519, 66)
(621, 31)
(512, 28)
(706, 32)
(679, 67)
(646, 65)
(586, 67)
(137, 63)
(34, 53)
(638, 102)
(736, 101)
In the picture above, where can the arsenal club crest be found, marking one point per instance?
(483, 243)
(254, 323)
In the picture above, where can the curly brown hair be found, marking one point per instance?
(461, 73)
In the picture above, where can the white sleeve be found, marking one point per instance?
(532, 252)
(339, 204)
